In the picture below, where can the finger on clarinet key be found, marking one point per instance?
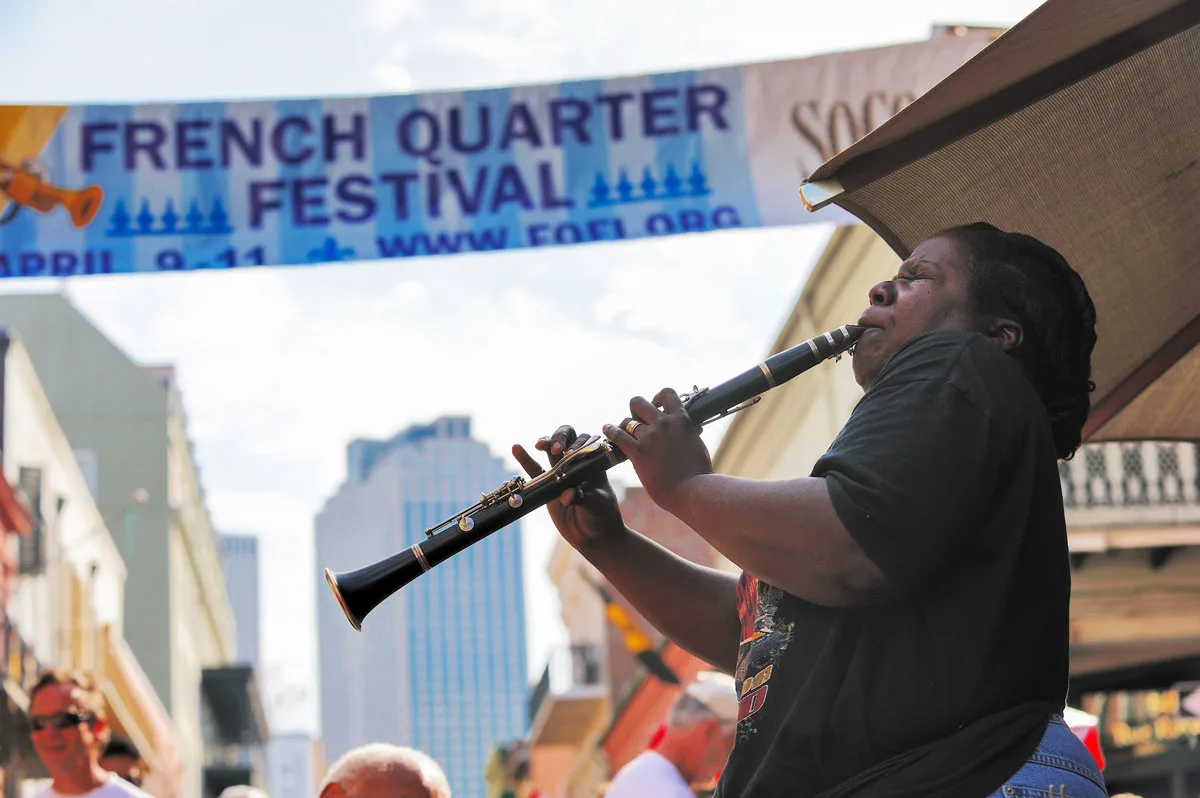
(563, 434)
(641, 408)
(668, 400)
(622, 439)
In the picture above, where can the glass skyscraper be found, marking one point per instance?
(439, 666)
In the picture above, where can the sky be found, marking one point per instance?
(281, 368)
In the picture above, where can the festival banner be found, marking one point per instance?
(214, 185)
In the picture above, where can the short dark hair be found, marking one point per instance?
(119, 746)
(1016, 275)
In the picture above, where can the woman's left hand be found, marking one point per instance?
(663, 444)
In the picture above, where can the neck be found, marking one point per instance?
(674, 749)
(79, 780)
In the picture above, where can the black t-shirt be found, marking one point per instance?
(946, 476)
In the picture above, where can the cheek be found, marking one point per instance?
(43, 741)
(908, 312)
(923, 310)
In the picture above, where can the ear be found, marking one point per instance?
(101, 730)
(1006, 333)
(332, 790)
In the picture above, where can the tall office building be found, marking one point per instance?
(439, 666)
(239, 564)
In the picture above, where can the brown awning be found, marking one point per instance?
(1081, 126)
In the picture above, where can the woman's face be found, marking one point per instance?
(928, 293)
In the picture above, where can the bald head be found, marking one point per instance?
(385, 770)
(242, 791)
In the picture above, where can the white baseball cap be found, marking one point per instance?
(717, 692)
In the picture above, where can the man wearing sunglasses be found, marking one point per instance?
(68, 727)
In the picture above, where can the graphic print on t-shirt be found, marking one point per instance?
(765, 636)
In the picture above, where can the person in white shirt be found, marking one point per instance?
(69, 728)
(699, 737)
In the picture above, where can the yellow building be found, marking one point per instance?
(1133, 516)
(127, 427)
(67, 597)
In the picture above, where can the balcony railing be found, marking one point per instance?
(1136, 483)
(566, 669)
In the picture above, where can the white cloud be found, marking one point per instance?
(388, 13)
(392, 77)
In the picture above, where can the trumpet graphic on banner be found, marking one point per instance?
(26, 187)
(637, 642)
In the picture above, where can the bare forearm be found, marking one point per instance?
(694, 606)
(785, 532)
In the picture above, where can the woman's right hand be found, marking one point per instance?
(583, 515)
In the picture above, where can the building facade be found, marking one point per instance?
(570, 703)
(441, 664)
(240, 568)
(596, 705)
(126, 423)
(293, 765)
(239, 564)
(641, 702)
(66, 592)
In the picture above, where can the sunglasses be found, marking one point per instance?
(60, 720)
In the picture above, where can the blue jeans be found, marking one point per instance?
(1061, 767)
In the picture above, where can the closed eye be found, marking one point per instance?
(911, 275)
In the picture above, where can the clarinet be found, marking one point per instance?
(360, 591)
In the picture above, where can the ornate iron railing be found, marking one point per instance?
(1156, 482)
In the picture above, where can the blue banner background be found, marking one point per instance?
(221, 185)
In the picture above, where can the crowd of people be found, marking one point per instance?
(84, 759)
